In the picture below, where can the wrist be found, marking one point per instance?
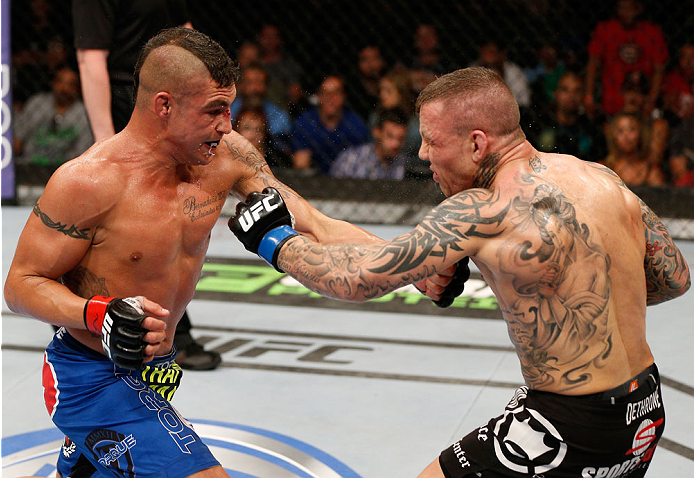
(94, 313)
(272, 242)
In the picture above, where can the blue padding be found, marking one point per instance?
(267, 246)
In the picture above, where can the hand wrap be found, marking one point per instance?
(457, 284)
(119, 323)
(263, 224)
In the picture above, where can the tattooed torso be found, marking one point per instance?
(560, 242)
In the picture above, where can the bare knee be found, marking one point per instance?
(214, 472)
(433, 470)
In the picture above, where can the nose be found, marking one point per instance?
(224, 125)
(423, 152)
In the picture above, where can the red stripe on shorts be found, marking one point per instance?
(50, 386)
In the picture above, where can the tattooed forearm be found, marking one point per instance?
(667, 273)
(360, 272)
(85, 283)
(71, 231)
(352, 272)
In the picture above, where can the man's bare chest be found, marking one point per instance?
(157, 229)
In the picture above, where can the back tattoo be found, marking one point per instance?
(559, 322)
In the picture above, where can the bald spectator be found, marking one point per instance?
(322, 132)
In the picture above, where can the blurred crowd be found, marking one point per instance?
(623, 98)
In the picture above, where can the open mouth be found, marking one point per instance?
(212, 147)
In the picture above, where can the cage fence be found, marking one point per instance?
(325, 37)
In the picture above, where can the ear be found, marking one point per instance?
(162, 104)
(479, 143)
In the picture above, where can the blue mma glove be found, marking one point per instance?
(263, 224)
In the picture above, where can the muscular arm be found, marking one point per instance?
(309, 221)
(96, 91)
(55, 239)
(667, 273)
(359, 272)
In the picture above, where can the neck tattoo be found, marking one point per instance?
(487, 171)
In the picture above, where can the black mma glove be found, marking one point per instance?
(119, 323)
(457, 284)
(263, 224)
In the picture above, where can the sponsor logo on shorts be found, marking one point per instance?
(180, 430)
(112, 449)
(643, 407)
(641, 452)
(525, 441)
(242, 450)
(68, 448)
(460, 455)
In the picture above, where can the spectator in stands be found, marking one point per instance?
(681, 159)
(281, 67)
(362, 90)
(40, 48)
(247, 54)
(493, 55)
(619, 46)
(252, 124)
(383, 158)
(252, 92)
(677, 86)
(628, 152)
(322, 132)
(682, 154)
(656, 130)
(53, 128)
(544, 76)
(428, 61)
(395, 91)
(563, 127)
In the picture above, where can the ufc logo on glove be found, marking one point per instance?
(252, 215)
(263, 224)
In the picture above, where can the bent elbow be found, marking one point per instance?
(8, 294)
(687, 284)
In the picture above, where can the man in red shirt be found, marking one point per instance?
(622, 45)
(677, 86)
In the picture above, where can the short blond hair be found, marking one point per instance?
(477, 97)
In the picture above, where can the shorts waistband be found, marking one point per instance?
(75, 344)
(649, 376)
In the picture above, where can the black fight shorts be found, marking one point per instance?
(610, 434)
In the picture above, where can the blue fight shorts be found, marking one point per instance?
(117, 425)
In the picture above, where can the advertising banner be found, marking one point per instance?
(7, 175)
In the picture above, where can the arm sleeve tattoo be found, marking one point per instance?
(667, 273)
